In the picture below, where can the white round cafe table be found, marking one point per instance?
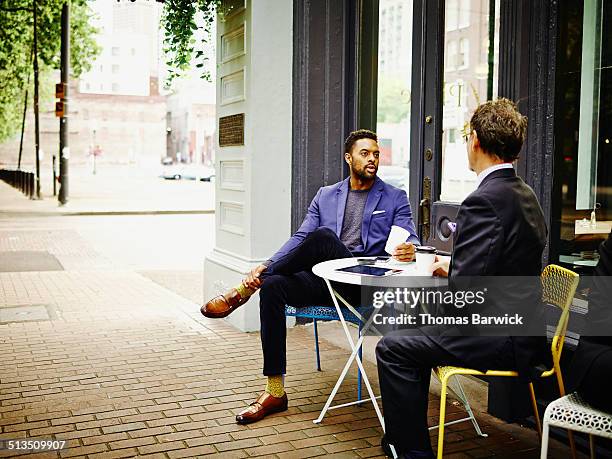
(408, 277)
(328, 271)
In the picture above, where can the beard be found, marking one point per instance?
(365, 174)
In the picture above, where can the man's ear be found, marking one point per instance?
(475, 139)
(347, 158)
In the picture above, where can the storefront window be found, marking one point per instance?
(583, 149)
(471, 45)
(394, 76)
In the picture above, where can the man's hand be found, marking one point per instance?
(441, 266)
(252, 280)
(404, 252)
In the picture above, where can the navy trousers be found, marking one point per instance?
(290, 280)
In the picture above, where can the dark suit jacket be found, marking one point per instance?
(599, 319)
(500, 232)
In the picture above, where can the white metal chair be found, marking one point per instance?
(573, 413)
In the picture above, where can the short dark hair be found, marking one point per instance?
(356, 135)
(500, 127)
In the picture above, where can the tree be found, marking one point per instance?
(188, 25)
(16, 36)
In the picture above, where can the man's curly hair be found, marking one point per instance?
(500, 127)
(357, 135)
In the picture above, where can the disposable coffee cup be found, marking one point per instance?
(425, 258)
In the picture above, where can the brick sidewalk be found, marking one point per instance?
(129, 368)
(133, 369)
(125, 366)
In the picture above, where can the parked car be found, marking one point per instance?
(171, 173)
(199, 173)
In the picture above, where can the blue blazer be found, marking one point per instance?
(386, 205)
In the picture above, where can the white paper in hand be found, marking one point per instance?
(396, 237)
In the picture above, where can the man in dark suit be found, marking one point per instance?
(591, 368)
(500, 232)
(350, 218)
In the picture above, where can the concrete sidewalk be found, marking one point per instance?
(114, 189)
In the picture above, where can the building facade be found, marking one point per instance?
(349, 67)
(131, 42)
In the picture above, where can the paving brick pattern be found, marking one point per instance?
(189, 284)
(68, 246)
(128, 367)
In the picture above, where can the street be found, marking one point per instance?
(117, 188)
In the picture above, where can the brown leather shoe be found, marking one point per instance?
(223, 305)
(264, 405)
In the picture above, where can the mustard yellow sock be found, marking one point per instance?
(244, 292)
(275, 386)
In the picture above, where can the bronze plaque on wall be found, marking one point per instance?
(231, 130)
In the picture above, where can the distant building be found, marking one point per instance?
(395, 38)
(191, 122)
(131, 40)
(128, 129)
(116, 108)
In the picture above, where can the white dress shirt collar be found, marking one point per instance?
(480, 177)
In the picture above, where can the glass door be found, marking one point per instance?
(458, 48)
(393, 105)
(471, 47)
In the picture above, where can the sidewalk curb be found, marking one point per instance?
(93, 213)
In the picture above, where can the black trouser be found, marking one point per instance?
(594, 385)
(405, 360)
(290, 280)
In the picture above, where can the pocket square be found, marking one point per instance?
(376, 212)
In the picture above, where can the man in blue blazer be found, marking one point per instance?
(350, 218)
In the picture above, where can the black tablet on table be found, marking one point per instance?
(369, 270)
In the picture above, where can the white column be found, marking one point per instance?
(253, 186)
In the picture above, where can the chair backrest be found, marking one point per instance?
(558, 288)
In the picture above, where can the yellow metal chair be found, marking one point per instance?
(558, 289)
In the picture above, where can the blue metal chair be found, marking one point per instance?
(327, 313)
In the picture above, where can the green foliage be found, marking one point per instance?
(393, 100)
(16, 38)
(188, 25)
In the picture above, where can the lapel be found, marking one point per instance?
(341, 194)
(371, 203)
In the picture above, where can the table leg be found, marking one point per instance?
(345, 370)
(354, 356)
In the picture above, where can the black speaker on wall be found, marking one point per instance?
(443, 216)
